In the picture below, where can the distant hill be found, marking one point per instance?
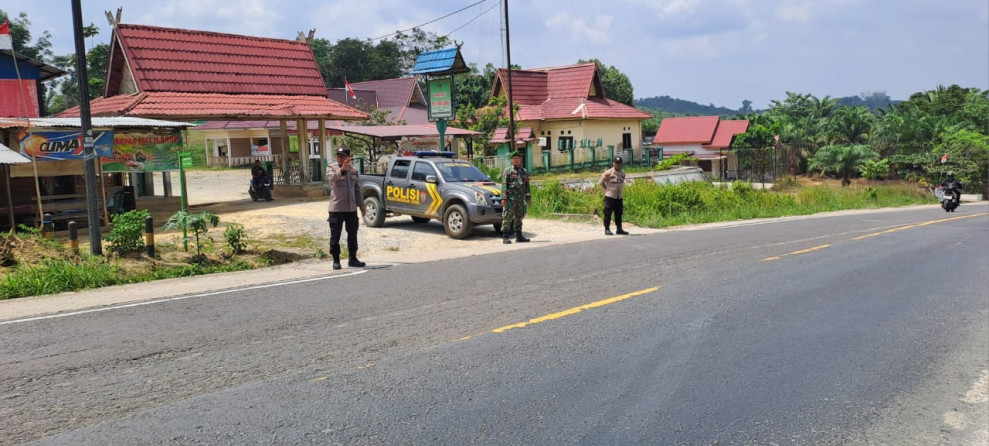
(874, 101)
(680, 107)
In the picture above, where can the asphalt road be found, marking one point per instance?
(857, 329)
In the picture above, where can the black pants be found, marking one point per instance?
(617, 206)
(337, 222)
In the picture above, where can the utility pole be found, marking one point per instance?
(89, 153)
(511, 109)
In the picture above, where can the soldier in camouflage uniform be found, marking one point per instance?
(515, 197)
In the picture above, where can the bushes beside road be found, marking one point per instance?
(656, 206)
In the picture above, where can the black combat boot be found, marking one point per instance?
(520, 238)
(336, 261)
(620, 231)
(505, 238)
(353, 262)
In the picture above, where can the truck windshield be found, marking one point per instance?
(460, 171)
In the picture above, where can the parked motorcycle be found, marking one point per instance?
(260, 188)
(949, 198)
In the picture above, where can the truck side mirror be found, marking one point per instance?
(431, 179)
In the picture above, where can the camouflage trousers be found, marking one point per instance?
(511, 217)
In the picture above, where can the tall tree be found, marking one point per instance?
(415, 42)
(360, 60)
(850, 125)
(65, 93)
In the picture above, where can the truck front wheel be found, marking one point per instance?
(375, 215)
(457, 222)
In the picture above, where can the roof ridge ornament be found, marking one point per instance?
(111, 20)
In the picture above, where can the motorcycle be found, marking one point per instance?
(949, 198)
(260, 188)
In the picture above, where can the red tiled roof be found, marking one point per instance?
(311, 125)
(594, 108)
(528, 87)
(557, 92)
(391, 92)
(572, 81)
(166, 105)
(690, 130)
(179, 60)
(726, 131)
(398, 131)
(365, 101)
(523, 135)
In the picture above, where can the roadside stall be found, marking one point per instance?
(131, 152)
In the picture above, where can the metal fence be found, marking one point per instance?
(753, 164)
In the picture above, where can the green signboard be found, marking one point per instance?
(144, 152)
(185, 159)
(441, 99)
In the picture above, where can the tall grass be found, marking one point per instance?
(650, 205)
(57, 275)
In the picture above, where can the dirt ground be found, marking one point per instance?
(224, 193)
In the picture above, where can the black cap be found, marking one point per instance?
(343, 151)
(618, 159)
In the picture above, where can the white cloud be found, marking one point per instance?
(579, 30)
(794, 11)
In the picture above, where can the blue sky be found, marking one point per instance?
(717, 52)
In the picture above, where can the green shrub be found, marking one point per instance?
(236, 238)
(875, 169)
(126, 235)
(198, 223)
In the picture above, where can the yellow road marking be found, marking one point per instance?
(802, 251)
(926, 223)
(805, 251)
(575, 310)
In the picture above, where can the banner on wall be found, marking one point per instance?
(409, 144)
(51, 146)
(144, 152)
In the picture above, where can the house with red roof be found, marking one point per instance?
(565, 107)
(707, 139)
(180, 74)
(402, 99)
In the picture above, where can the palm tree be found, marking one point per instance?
(850, 125)
(841, 160)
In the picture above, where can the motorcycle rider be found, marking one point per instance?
(950, 185)
(260, 182)
(256, 172)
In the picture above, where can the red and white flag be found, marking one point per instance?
(6, 43)
(350, 91)
(944, 158)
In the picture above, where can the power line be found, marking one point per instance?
(431, 21)
(472, 20)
